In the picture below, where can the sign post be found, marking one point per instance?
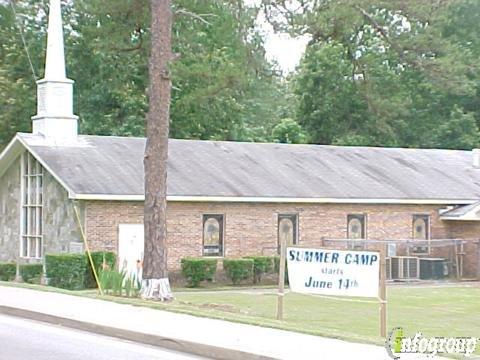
(281, 277)
(382, 294)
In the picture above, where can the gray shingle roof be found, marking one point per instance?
(114, 166)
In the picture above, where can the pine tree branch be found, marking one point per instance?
(200, 17)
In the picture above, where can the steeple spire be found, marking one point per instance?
(55, 63)
(55, 119)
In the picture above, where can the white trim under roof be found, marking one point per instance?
(239, 199)
(463, 218)
(9, 154)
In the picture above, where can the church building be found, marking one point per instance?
(225, 199)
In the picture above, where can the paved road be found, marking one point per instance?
(30, 340)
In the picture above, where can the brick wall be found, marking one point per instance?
(252, 228)
(102, 219)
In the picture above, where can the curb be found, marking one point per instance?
(184, 346)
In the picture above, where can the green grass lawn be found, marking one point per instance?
(435, 311)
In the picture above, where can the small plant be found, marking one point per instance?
(196, 270)
(102, 260)
(118, 277)
(238, 269)
(119, 283)
(132, 286)
(261, 265)
(8, 271)
(111, 281)
(31, 273)
(104, 279)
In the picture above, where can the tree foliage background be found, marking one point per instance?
(389, 73)
(223, 87)
(375, 72)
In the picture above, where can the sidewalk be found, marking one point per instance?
(205, 337)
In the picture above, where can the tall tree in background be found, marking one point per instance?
(386, 72)
(376, 72)
(223, 88)
(17, 82)
(155, 274)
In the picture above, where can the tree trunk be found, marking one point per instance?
(155, 275)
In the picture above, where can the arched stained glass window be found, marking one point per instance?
(420, 228)
(213, 235)
(287, 229)
(356, 229)
(421, 231)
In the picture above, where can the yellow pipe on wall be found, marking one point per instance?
(87, 249)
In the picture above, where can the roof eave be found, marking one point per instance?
(459, 218)
(14, 148)
(237, 199)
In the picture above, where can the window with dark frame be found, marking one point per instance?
(421, 231)
(287, 229)
(32, 208)
(356, 229)
(213, 234)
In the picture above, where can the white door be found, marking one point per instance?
(130, 248)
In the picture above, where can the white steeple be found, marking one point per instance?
(55, 119)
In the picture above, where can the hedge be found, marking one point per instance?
(8, 271)
(97, 257)
(31, 273)
(261, 265)
(196, 270)
(238, 269)
(66, 271)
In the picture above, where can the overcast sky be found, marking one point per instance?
(286, 50)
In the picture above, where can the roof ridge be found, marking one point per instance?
(233, 142)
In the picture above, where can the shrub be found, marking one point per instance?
(98, 257)
(238, 269)
(261, 265)
(31, 273)
(196, 270)
(8, 271)
(66, 271)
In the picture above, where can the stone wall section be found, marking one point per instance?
(60, 231)
(60, 227)
(10, 213)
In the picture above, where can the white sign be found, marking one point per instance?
(333, 272)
